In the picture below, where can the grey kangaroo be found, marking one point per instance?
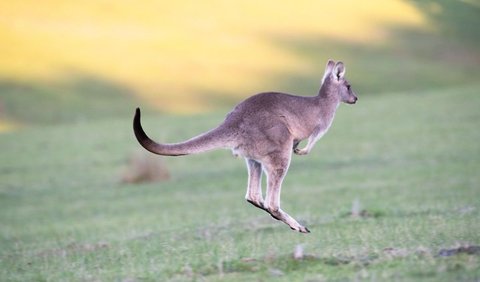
(265, 129)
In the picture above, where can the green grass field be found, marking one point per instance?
(410, 159)
(406, 157)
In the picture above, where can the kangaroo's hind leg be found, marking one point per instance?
(276, 167)
(254, 189)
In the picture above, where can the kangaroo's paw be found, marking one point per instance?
(300, 151)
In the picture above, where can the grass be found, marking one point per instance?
(406, 157)
(410, 159)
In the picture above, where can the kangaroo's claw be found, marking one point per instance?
(300, 151)
(305, 230)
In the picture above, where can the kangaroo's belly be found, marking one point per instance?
(256, 142)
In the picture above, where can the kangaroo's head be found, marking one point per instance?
(335, 85)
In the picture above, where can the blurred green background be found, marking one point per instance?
(404, 160)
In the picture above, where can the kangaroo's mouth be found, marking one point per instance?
(352, 101)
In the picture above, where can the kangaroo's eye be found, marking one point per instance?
(348, 86)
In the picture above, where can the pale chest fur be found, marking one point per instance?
(323, 123)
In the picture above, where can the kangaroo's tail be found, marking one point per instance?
(213, 139)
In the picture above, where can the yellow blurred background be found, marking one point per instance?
(182, 56)
(171, 49)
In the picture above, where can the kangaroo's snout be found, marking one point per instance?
(353, 100)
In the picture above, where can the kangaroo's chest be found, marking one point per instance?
(311, 126)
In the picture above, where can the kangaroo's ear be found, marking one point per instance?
(328, 69)
(339, 70)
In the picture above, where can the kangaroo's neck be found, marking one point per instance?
(327, 104)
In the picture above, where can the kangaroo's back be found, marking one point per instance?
(265, 110)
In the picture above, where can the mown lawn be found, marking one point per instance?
(410, 160)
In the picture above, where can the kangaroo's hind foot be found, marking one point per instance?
(276, 167)
(287, 219)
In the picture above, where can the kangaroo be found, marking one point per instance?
(265, 129)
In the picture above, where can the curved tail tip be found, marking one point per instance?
(137, 114)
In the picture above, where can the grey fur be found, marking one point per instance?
(265, 129)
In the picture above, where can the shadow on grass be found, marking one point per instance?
(78, 97)
(408, 59)
(397, 67)
(456, 19)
